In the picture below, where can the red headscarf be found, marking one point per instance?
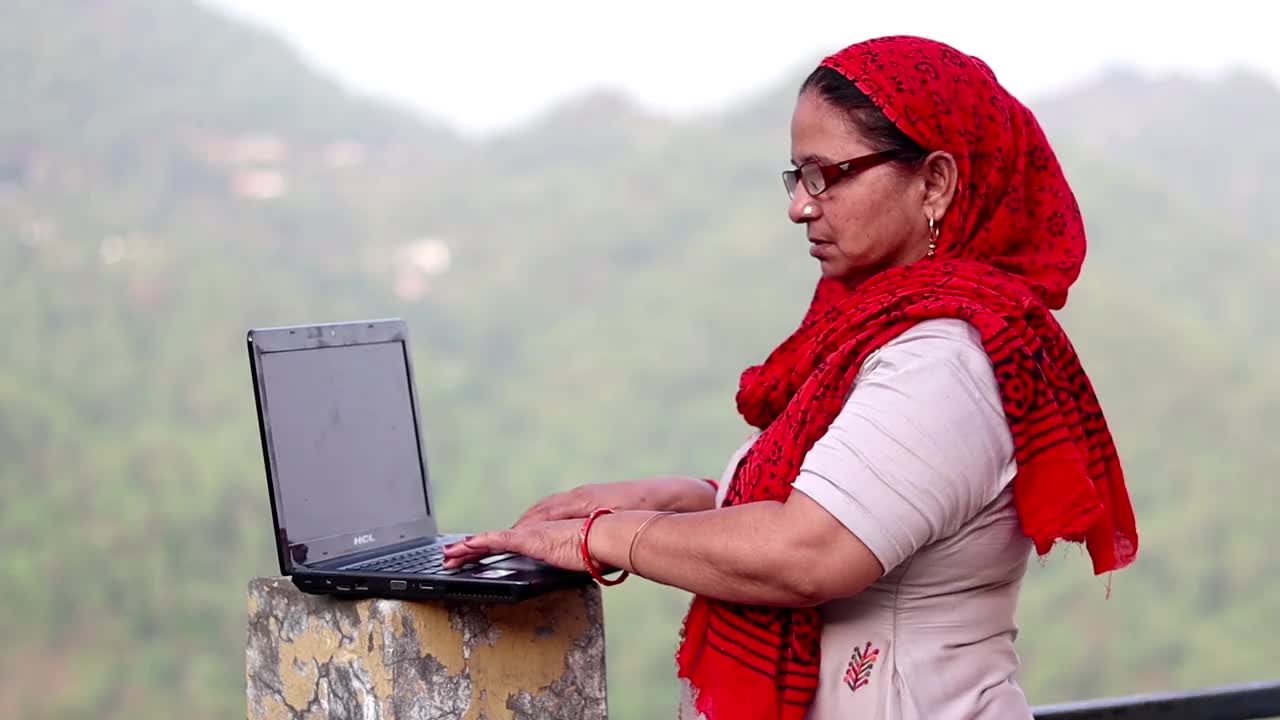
(1012, 243)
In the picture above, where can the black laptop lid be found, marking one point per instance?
(338, 412)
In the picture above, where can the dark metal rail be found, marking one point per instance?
(1249, 701)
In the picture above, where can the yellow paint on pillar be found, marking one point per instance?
(523, 658)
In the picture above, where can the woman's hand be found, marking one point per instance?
(677, 494)
(548, 531)
(555, 543)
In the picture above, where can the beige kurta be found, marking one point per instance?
(918, 466)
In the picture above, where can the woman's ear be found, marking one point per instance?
(941, 177)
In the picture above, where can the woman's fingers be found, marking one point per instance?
(481, 545)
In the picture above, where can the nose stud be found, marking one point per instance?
(807, 211)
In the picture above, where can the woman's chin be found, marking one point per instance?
(831, 267)
(842, 272)
(835, 268)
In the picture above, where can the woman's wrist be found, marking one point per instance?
(590, 561)
(610, 542)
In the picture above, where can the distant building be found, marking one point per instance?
(416, 263)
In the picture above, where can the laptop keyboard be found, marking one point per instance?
(427, 560)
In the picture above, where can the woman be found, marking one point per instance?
(926, 425)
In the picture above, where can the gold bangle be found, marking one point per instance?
(631, 551)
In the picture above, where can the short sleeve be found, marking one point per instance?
(921, 445)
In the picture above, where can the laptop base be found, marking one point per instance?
(518, 585)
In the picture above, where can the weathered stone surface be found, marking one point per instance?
(319, 658)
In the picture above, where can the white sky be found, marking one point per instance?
(678, 56)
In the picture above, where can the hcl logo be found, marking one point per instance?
(362, 539)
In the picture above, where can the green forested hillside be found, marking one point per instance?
(582, 295)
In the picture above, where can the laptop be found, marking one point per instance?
(351, 497)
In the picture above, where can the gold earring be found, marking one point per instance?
(935, 229)
(808, 211)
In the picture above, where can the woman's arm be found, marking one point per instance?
(673, 494)
(790, 554)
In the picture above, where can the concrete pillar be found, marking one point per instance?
(319, 658)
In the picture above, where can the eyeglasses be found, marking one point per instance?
(817, 178)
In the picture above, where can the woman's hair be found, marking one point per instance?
(863, 114)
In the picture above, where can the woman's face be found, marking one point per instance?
(862, 223)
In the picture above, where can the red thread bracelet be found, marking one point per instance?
(586, 554)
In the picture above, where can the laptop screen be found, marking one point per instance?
(347, 468)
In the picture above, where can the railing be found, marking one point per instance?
(1251, 701)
